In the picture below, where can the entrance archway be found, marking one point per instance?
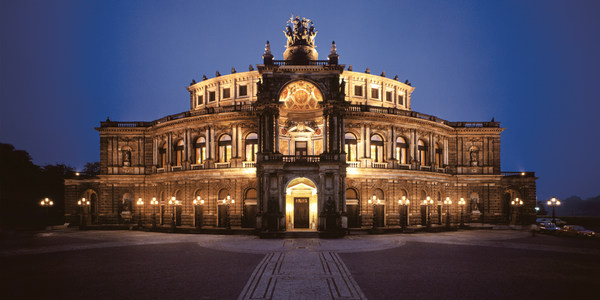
(301, 204)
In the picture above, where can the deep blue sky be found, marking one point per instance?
(532, 65)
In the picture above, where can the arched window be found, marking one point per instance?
(251, 146)
(225, 148)
(200, 150)
(379, 195)
(401, 150)
(351, 194)
(179, 153)
(376, 148)
(423, 195)
(163, 155)
(439, 162)
(422, 148)
(350, 147)
(223, 193)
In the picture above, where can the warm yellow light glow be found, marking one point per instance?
(42, 202)
(201, 202)
(522, 173)
(140, 201)
(289, 208)
(76, 173)
(313, 208)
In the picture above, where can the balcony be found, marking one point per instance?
(379, 165)
(223, 165)
(249, 164)
(197, 166)
(353, 164)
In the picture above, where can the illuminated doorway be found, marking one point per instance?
(301, 205)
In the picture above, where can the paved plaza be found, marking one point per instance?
(478, 264)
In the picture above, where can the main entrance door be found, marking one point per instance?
(300, 212)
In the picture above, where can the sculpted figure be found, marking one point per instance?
(289, 35)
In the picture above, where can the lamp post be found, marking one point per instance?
(448, 202)
(554, 202)
(153, 203)
(140, 205)
(173, 202)
(199, 204)
(374, 201)
(517, 204)
(229, 201)
(46, 204)
(462, 203)
(404, 203)
(82, 204)
(428, 202)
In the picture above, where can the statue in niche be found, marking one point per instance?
(330, 206)
(127, 157)
(474, 154)
(474, 204)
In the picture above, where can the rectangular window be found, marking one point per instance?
(401, 100)
(200, 99)
(375, 93)
(243, 90)
(301, 148)
(212, 96)
(358, 91)
(388, 96)
(226, 93)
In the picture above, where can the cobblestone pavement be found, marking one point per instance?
(246, 267)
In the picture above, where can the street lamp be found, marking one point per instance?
(554, 202)
(140, 204)
(448, 202)
(517, 204)
(46, 204)
(462, 203)
(229, 201)
(199, 204)
(428, 202)
(404, 203)
(173, 202)
(153, 203)
(82, 203)
(374, 201)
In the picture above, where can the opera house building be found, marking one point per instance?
(300, 144)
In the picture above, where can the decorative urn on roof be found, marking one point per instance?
(300, 41)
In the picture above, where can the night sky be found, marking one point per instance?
(532, 65)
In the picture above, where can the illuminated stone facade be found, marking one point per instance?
(300, 144)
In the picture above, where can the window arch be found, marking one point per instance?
(422, 148)
(423, 195)
(225, 148)
(380, 195)
(223, 193)
(200, 150)
(376, 148)
(351, 194)
(251, 194)
(439, 162)
(251, 146)
(401, 150)
(163, 155)
(179, 153)
(351, 146)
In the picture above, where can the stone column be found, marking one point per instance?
(368, 141)
(276, 134)
(325, 133)
(445, 151)
(234, 139)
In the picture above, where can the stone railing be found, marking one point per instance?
(414, 114)
(186, 114)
